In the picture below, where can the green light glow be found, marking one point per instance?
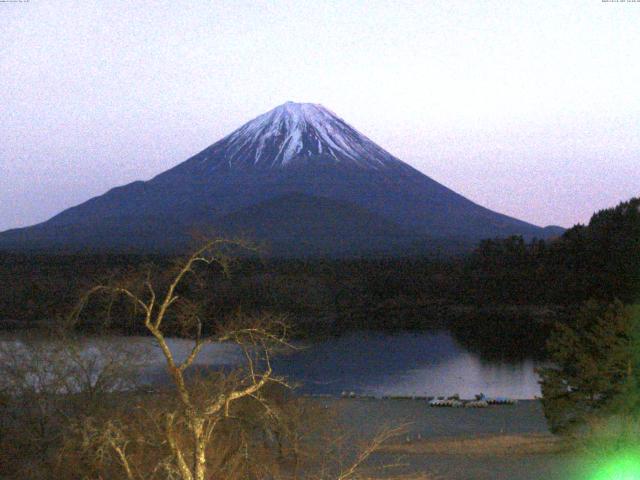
(624, 466)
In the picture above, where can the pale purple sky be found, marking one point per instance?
(529, 108)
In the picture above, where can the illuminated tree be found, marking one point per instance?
(208, 423)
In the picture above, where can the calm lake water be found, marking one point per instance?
(367, 363)
(413, 364)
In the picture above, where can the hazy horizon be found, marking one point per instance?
(529, 110)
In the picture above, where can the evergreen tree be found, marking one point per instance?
(596, 367)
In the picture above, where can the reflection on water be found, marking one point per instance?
(420, 364)
(465, 375)
(407, 364)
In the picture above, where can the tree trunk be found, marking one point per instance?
(199, 451)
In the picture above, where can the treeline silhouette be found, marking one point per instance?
(501, 300)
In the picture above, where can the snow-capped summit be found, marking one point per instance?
(295, 134)
(298, 178)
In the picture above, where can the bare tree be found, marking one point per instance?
(201, 405)
(71, 406)
(210, 423)
(47, 379)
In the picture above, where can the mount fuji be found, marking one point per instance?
(297, 178)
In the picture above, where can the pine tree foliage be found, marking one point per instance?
(596, 367)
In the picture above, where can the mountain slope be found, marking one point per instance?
(298, 224)
(299, 149)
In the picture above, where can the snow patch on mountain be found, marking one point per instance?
(297, 132)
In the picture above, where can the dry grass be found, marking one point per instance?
(414, 476)
(532, 444)
(409, 476)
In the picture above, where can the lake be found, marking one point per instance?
(406, 364)
(366, 363)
